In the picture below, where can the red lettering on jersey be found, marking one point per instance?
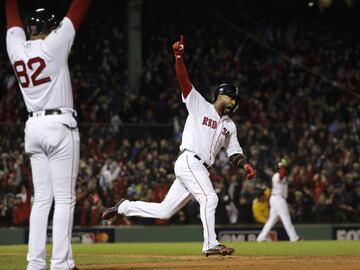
(225, 132)
(22, 73)
(205, 120)
(40, 68)
(209, 122)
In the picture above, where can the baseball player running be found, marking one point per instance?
(207, 130)
(51, 135)
(278, 205)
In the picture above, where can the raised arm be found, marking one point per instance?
(181, 72)
(282, 168)
(12, 14)
(77, 11)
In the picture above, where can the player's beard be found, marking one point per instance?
(227, 109)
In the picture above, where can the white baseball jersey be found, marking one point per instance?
(52, 141)
(279, 187)
(278, 208)
(205, 132)
(41, 66)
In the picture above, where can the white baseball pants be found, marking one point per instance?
(278, 208)
(192, 178)
(54, 154)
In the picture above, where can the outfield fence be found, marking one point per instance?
(191, 233)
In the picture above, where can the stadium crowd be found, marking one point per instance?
(293, 104)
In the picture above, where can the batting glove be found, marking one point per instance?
(178, 48)
(249, 171)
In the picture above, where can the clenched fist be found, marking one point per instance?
(250, 172)
(178, 48)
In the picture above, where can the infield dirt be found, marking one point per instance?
(236, 262)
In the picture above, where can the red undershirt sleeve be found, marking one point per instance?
(12, 14)
(183, 77)
(282, 173)
(77, 11)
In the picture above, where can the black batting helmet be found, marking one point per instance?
(41, 21)
(228, 89)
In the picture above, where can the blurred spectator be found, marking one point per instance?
(356, 202)
(322, 209)
(3, 210)
(21, 209)
(341, 204)
(109, 172)
(260, 207)
(245, 203)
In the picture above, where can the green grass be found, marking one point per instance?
(14, 257)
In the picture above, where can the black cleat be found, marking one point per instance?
(112, 211)
(219, 250)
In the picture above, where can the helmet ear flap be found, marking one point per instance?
(216, 94)
(236, 107)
